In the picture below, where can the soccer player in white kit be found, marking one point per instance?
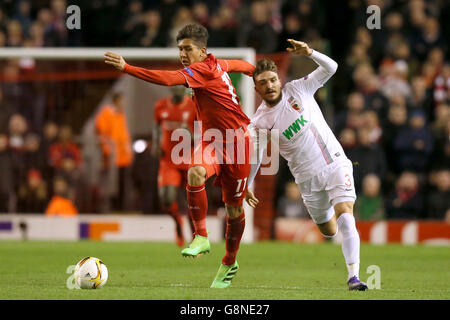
(316, 159)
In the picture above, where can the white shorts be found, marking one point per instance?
(333, 185)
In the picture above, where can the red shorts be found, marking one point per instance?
(231, 163)
(170, 174)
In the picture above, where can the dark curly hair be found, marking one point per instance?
(196, 32)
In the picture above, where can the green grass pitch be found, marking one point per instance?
(269, 270)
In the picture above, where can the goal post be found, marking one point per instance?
(93, 67)
(247, 54)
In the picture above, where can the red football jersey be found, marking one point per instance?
(216, 101)
(172, 116)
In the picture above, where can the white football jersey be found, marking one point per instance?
(305, 139)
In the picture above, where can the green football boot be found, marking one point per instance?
(225, 275)
(200, 245)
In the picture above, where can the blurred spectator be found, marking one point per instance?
(352, 117)
(148, 32)
(2, 38)
(115, 142)
(441, 154)
(36, 38)
(258, 33)
(76, 183)
(222, 28)
(3, 19)
(50, 135)
(292, 29)
(167, 9)
(35, 157)
(6, 112)
(394, 78)
(14, 34)
(406, 201)
(18, 129)
(429, 36)
(291, 204)
(373, 98)
(347, 139)
(372, 123)
(133, 18)
(12, 89)
(442, 116)
(23, 15)
(439, 199)
(63, 148)
(368, 156)
(200, 11)
(58, 11)
(420, 98)
(181, 18)
(32, 196)
(358, 55)
(6, 174)
(442, 85)
(396, 122)
(370, 204)
(360, 74)
(414, 144)
(61, 203)
(153, 35)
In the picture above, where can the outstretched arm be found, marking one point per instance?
(161, 77)
(327, 66)
(238, 66)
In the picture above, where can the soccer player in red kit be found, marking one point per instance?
(218, 109)
(171, 113)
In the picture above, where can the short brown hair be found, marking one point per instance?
(196, 32)
(264, 65)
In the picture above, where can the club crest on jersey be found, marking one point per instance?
(294, 104)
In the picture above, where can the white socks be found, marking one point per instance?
(350, 243)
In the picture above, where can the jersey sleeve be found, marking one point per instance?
(240, 66)
(316, 79)
(161, 77)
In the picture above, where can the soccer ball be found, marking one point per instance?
(90, 273)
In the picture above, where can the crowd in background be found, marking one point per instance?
(390, 99)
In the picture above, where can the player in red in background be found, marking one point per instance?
(218, 107)
(171, 113)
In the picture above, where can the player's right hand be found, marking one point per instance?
(251, 199)
(115, 60)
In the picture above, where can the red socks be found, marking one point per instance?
(198, 207)
(235, 229)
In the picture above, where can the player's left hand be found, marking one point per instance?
(299, 47)
(251, 199)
